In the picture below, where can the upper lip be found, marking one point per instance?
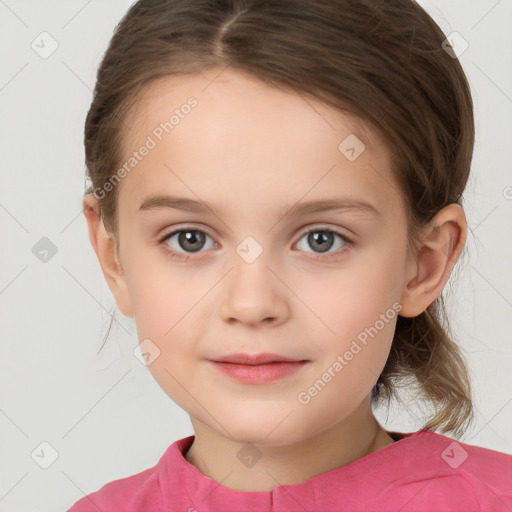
(254, 359)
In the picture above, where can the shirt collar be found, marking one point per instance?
(207, 495)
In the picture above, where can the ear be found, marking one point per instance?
(430, 267)
(105, 249)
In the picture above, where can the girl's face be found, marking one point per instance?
(242, 276)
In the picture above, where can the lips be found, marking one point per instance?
(255, 359)
(261, 369)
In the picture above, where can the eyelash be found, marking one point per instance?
(162, 241)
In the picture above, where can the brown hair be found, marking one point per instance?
(380, 60)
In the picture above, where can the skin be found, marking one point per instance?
(250, 149)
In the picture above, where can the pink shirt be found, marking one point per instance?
(422, 471)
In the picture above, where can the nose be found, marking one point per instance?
(253, 294)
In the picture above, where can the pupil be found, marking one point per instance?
(315, 236)
(191, 237)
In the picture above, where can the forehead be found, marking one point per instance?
(245, 134)
(242, 92)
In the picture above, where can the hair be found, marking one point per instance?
(383, 62)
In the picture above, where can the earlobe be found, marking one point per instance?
(105, 248)
(430, 268)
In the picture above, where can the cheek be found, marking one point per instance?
(162, 294)
(166, 308)
(347, 301)
(355, 313)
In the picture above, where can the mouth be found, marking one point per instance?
(255, 359)
(258, 369)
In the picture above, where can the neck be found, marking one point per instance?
(217, 457)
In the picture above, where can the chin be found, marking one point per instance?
(271, 432)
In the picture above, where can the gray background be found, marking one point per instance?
(104, 415)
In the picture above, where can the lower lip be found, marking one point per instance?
(261, 373)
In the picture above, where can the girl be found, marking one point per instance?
(276, 200)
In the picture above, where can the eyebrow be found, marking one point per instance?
(190, 205)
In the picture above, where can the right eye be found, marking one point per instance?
(188, 239)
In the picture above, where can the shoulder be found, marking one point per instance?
(443, 451)
(141, 491)
(130, 493)
(434, 467)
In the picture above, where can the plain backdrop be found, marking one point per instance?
(95, 418)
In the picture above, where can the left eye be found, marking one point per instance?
(323, 239)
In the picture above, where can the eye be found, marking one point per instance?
(323, 239)
(192, 240)
(189, 240)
